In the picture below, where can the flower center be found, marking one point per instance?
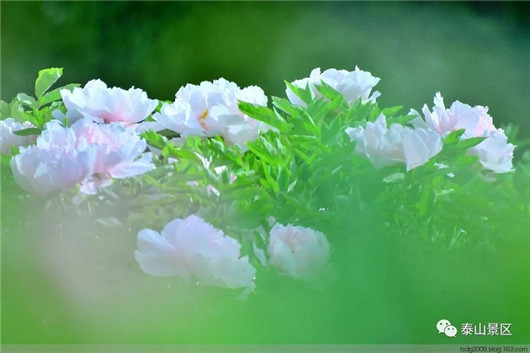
(201, 118)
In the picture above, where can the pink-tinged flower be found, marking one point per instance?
(396, 144)
(8, 138)
(297, 251)
(96, 100)
(54, 163)
(353, 85)
(87, 153)
(475, 120)
(194, 250)
(211, 109)
(495, 153)
(119, 153)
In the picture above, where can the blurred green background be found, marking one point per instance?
(474, 52)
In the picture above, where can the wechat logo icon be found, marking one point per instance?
(444, 326)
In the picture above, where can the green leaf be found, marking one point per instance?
(291, 186)
(283, 178)
(271, 181)
(454, 137)
(220, 145)
(269, 147)
(154, 139)
(260, 151)
(465, 161)
(361, 112)
(170, 150)
(394, 178)
(26, 100)
(5, 112)
(425, 199)
(46, 79)
(303, 93)
(18, 113)
(402, 119)
(470, 142)
(327, 108)
(392, 110)
(28, 132)
(14, 150)
(55, 95)
(285, 105)
(328, 91)
(265, 115)
(45, 115)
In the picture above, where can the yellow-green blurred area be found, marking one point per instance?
(71, 281)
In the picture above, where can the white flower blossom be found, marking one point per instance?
(495, 153)
(55, 163)
(396, 144)
(353, 85)
(96, 100)
(194, 250)
(119, 153)
(475, 120)
(211, 109)
(297, 251)
(8, 138)
(87, 153)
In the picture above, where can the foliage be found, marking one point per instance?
(305, 172)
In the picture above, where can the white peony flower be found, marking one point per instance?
(211, 109)
(119, 153)
(297, 251)
(395, 144)
(55, 163)
(351, 84)
(475, 120)
(8, 138)
(193, 249)
(96, 100)
(495, 153)
(87, 153)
